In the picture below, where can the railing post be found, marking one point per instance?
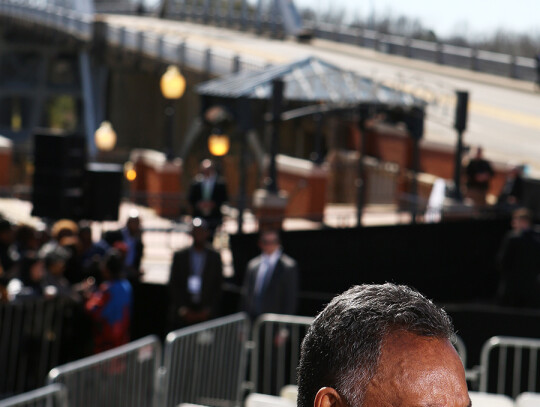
(230, 16)
(513, 67)
(474, 59)
(236, 64)
(440, 53)
(208, 61)
(274, 15)
(258, 18)
(243, 17)
(181, 54)
(206, 12)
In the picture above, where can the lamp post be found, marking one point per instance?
(173, 86)
(218, 141)
(278, 87)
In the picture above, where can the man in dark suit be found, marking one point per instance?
(195, 281)
(479, 174)
(519, 263)
(271, 280)
(206, 195)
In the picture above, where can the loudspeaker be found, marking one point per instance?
(460, 123)
(531, 197)
(103, 191)
(59, 167)
(415, 123)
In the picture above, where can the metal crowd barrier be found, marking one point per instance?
(509, 365)
(206, 363)
(54, 395)
(276, 351)
(124, 376)
(30, 342)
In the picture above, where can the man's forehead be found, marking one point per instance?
(417, 371)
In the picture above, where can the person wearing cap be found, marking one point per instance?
(55, 283)
(195, 281)
(64, 234)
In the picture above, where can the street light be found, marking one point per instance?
(105, 137)
(129, 171)
(218, 143)
(173, 86)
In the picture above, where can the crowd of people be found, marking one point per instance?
(64, 262)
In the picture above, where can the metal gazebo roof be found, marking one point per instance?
(308, 80)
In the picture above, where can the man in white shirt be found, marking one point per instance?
(195, 282)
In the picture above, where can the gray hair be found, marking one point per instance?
(343, 346)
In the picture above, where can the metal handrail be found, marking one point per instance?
(32, 398)
(518, 345)
(121, 376)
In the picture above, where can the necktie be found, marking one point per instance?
(263, 276)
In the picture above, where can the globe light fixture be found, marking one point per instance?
(129, 171)
(173, 83)
(218, 143)
(105, 137)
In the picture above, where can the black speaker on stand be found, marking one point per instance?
(102, 191)
(59, 170)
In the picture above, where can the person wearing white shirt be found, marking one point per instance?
(195, 282)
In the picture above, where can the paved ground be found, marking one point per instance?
(162, 237)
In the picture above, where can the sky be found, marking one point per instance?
(476, 17)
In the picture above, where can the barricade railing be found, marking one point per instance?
(435, 52)
(54, 395)
(276, 351)
(460, 348)
(509, 365)
(30, 341)
(124, 376)
(206, 363)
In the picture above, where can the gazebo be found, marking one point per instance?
(320, 89)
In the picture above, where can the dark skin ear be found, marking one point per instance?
(328, 397)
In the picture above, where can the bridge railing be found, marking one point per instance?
(75, 17)
(436, 52)
(277, 17)
(174, 50)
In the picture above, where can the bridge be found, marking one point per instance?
(128, 44)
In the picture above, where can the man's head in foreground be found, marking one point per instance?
(381, 346)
